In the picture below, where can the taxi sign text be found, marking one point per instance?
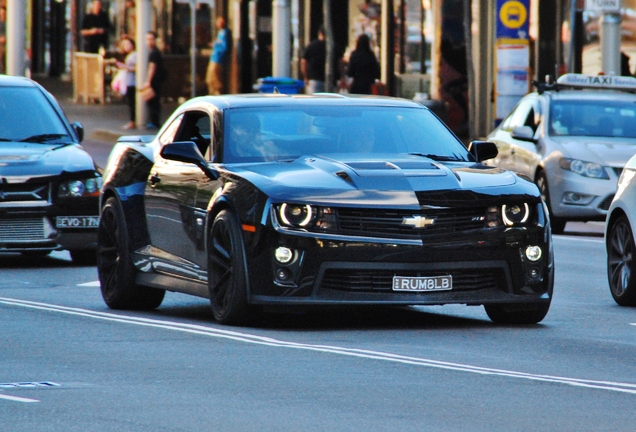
(598, 81)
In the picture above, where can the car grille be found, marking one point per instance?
(605, 205)
(382, 280)
(371, 222)
(21, 230)
(24, 192)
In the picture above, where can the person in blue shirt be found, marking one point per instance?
(216, 75)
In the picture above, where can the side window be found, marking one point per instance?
(523, 115)
(195, 127)
(168, 135)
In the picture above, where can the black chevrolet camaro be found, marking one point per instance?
(49, 185)
(255, 200)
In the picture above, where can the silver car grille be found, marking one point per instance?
(22, 230)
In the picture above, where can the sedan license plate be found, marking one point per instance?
(77, 222)
(422, 284)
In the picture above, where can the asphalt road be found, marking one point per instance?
(68, 363)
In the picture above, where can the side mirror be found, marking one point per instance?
(79, 130)
(483, 150)
(523, 133)
(188, 152)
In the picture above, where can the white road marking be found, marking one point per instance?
(90, 284)
(18, 399)
(353, 352)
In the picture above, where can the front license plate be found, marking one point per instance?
(433, 283)
(77, 221)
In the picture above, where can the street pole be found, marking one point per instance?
(16, 25)
(281, 30)
(193, 47)
(144, 20)
(611, 43)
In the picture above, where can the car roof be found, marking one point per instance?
(16, 81)
(251, 100)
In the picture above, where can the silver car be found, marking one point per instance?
(572, 139)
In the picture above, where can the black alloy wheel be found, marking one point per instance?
(620, 262)
(557, 224)
(227, 276)
(115, 267)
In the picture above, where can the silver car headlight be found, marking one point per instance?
(80, 188)
(583, 168)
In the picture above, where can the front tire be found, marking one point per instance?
(620, 262)
(84, 257)
(517, 313)
(227, 275)
(115, 267)
(557, 224)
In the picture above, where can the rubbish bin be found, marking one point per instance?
(282, 84)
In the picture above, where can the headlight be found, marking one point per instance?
(586, 169)
(80, 188)
(515, 214)
(305, 216)
(508, 215)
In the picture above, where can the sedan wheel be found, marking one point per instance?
(557, 224)
(114, 265)
(227, 276)
(620, 263)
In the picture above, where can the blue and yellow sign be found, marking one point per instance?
(512, 19)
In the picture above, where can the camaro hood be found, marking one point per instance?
(375, 178)
(25, 160)
(607, 151)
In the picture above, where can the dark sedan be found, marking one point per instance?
(255, 200)
(49, 185)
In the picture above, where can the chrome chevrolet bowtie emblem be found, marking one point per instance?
(418, 221)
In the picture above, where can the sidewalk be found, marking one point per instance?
(101, 122)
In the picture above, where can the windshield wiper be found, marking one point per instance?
(437, 157)
(43, 137)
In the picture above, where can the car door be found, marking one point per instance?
(175, 222)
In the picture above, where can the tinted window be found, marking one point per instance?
(275, 134)
(593, 118)
(25, 112)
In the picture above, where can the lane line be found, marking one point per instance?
(629, 388)
(18, 399)
(90, 284)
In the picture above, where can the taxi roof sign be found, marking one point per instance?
(606, 82)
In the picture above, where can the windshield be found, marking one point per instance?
(267, 134)
(26, 115)
(601, 118)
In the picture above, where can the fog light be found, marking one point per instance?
(283, 255)
(577, 198)
(282, 274)
(534, 272)
(533, 253)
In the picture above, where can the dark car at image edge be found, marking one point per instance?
(333, 201)
(49, 185)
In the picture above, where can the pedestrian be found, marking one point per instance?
(130, 66)
(363, 67)
(95, 27)
(312, 64)
(216, 74)
(155, 76)
(3, 39)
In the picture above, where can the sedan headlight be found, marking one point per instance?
(306, 216)
(586, 169)
(509, 215)
(80, 188)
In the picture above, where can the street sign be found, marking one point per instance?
(512, 19)
(603, 5)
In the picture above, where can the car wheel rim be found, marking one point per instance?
(620, 258)
(108, 252)
(221, 260)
